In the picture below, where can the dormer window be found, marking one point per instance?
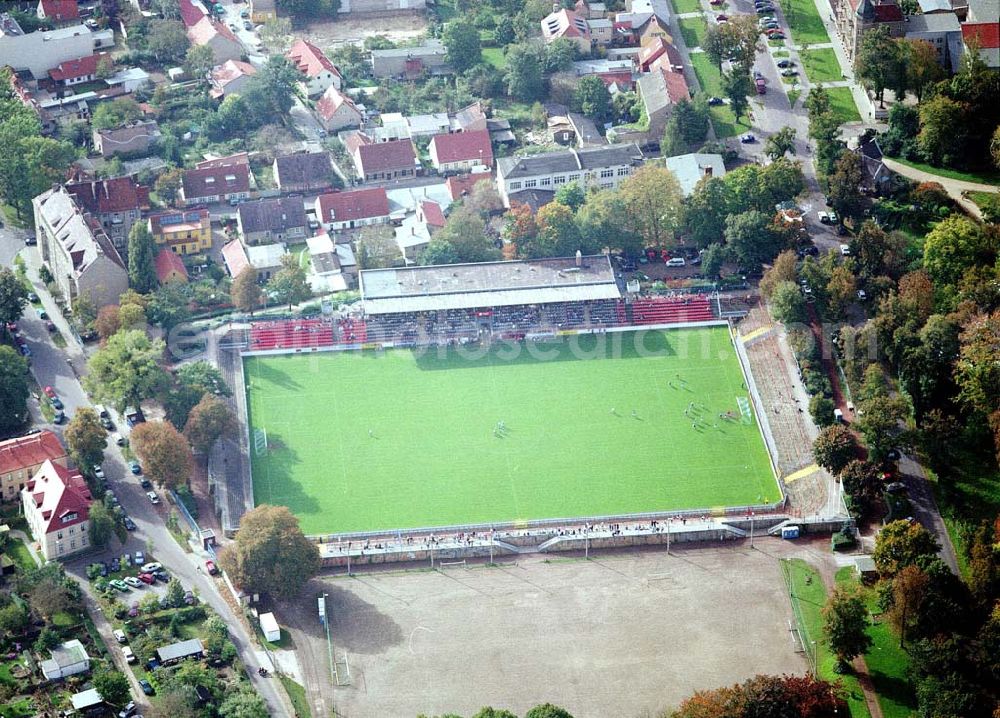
(69, 517)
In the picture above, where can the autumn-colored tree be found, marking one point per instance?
(652, 196)
(519, 226)
(862, 480)
(835, 448)
(245, 291)
(799, 696)
(164, 452)
(900, 544)
(841, 289)
(270, 554)
(106, 325)
(908, 590)
(210, 419)
(783, 270)
(845, 625)
(86, 438)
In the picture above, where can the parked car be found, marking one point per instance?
(189, 598)
(42, 314)
(862, 296)
(119, 439)
(140, 558)
(147, 578)
(116, 565)
(119, 635)
(145, 483)
(129, 523)
(776, 36)
(748, 138)
(98, 471)
(119, 585)
(789, 72)
(153, 498)
(147, 688)
(129, 710)
(32, 297)
(247, 25)
(55, 401)
(126, 651)
(25, 350)
(161, 576)
(151, 567)
(785, 63)
(134, 467)
(675, 262)
(133, 582)
(845, 250)
(715, 101)
(212, 569)
(50, 326)
(49, 392)
(722, 18)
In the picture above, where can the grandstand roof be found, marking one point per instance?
(490, 284)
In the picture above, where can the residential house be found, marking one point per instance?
(23, 456)
(170, 268)
(42, 50)
(691, 168)
(411, 62)
(337, 111)
(566, 24)
(612, 72)
(78, 71)
(303, 172)
(261, 11)
(87, 702)
(320, 74)
(469, 118)
(56, 503)
(460, 185)
(982, 28)
(461, 151)
(264, 259)
(855, 17)
(67, 660)
(338, 211)
(117, 203)
(382, 160)
(186, 231)
(136, 139)
(58, 13)
(212, 184)
(175, 652)
(601, 31)
(415, 232)
(76, 249)
(203, 29)
(604, 167)
(27, 98)
(660, 90)
(231, 77)
(281, 219)
(944, 33)
(333, 266)
(654, 51)
(428, 125)
(129, 79)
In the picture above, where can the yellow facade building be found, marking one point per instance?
(184, 232)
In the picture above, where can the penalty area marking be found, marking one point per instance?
(418, 628)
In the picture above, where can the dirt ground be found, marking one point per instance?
(625, 634)
(355, 30)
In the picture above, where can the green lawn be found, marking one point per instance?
(710, 80)
(808, 596)
(842, 102)
(682, 7)
(20, 554)
(793, 96)
(297, 694)
(693, 29)
(22, 708)
(805, 22)
(987, 177)
(821, 65)
(364, 441)
(494, 56)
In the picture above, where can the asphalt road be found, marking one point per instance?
(50, 367)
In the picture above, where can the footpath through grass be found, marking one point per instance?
(887, 662)
(723, 119)
(593, 425)
(805, 22)
(808, 596)
(985, 177)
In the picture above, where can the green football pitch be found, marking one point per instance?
(594, 425)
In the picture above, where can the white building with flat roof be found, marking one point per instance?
(43, 50)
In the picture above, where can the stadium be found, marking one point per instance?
(504, 395)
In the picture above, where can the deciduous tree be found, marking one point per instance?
(592, 98)
(102, 525)
(879, 63)
(246, 292)
(845, 625)
(954, 245)
(652, 197)
(844, 186)
(86, 438)
(737, 86)
(126, 369)
(270, 554)
(461, 39)
(835, 448)
(276, 34)
(750, 239)
(943, 137)
(787, 303)
(909, 587)
(198, 60)
(922, 67)
(900, 544)
(289, 284)
(141, 259)
(13, 390)
(780, 143)
(706, 209)
(210, 419)
(13, 296)
(168, 184)
(784, 269)
(524, 73)
(164, 452)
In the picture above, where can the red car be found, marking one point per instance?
(147, 578)
(212, 569)
(50, 392)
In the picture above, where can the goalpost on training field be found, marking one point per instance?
(259, 441)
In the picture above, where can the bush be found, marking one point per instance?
(821, 409)
(817, 383)
(843, 540)
(187, 498)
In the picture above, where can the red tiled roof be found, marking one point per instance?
(310, 59)
(356, 204)
(212, 181)
(354, 140)
(26, 451)
(235, 258)
(167, 262)
(463, 146)
(119, 194)
(60, 9)
(231, 70)
(332, 100)
(386, 156)
(433, 214)
(58, 492)
(677, 88)
(81, 67)
(203, 31)
(460, 185)
(564, 23)
(190, 13)
(986, 33)
(888, 13)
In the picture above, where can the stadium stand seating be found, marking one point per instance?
(672, 310)
(295, 334)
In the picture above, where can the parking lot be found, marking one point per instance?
(621, 634)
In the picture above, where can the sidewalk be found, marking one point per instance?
(953, 187)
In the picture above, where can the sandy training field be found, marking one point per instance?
(354, 30)
(621, 635)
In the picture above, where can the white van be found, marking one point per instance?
(838, 416)
(129, 656)
(676, 262)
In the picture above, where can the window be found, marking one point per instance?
(559, 180)
(59, 535)
(515, 185)
(72, 544)
(546, 181)
(607, 173)
(623, 171)
(530, 183)
(574, 178)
